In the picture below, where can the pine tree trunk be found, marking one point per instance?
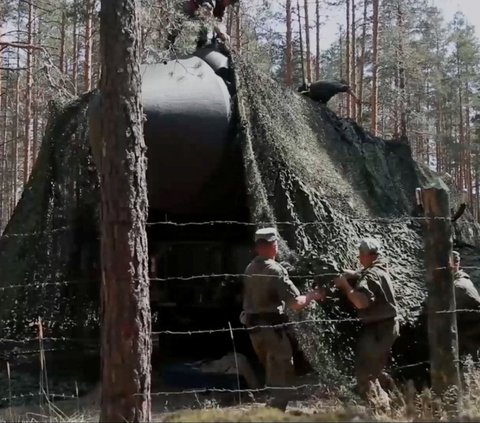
(3, 140)
(461, 129)
(353, 79)
(288, 53)
(467, 149)
(63, 26)
(401, 72)
(317, 37)
(347, 55)
(238, 29)
(362, 64)
(75, 50)
(374, 100)
(340, 66)
(126, 325)
(307, 43)
(16, 136)
(88, 45)
(38, 96)
(28, 99)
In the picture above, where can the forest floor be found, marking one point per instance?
(228, 409)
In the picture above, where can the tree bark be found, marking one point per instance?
(307, 43)
(362, 63)
(62, 39)
(75, 49)
(317, 36)
(353, 73)
(288, 52)
(374, 99)
(347, 54)
(238, 29)
(401, 72)
(89, 4)
(442, 322)
(28, 100)
(126, 326)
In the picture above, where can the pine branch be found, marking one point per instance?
(5, 44)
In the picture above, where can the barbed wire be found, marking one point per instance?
(38, 394)
(382, 220)
(379, 220)
(39, 285)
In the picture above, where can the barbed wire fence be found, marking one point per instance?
(47, 344)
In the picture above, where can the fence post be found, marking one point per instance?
(442, 321)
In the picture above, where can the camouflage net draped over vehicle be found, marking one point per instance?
(48, 251)
(303, 164)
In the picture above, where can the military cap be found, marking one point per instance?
(370, 245)
(456, 256)
(266, 234)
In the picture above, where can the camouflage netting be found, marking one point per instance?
(304, 164)
(49, 249)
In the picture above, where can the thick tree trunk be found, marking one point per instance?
(307, 43)
(374, 99)
(288, 52)
(126, 326)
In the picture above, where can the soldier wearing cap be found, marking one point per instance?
(267, 291)
(371, 292)
(467, 301)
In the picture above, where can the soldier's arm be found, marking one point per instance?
(290, 294)
(361, 296)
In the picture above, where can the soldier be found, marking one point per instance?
(373, 296)
(267, 291)
(466, 298)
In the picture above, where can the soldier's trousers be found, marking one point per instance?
(373, 351)
(274, 351)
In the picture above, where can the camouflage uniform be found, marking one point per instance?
(380, 327)
(467, 298)
(266, 294)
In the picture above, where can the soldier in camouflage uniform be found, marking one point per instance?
(467, 302)
(372, 294)
(267, 291)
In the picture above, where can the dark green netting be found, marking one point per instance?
(302, 164)
(48, 252)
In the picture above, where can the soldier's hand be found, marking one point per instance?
(319, 294)
(349, 274)
(341, 283)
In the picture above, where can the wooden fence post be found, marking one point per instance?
(442, 321)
